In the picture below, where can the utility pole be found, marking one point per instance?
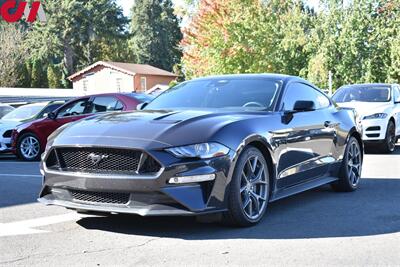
(330, 83)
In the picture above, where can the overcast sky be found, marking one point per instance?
(127, 4)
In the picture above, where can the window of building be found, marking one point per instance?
(85, 85)
(143, 83)
(118, 81)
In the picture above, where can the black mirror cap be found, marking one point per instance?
(52, 116)
(141, 106)
(304, 105)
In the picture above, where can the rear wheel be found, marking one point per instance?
(389, 144)
(350, 171)
(28, 147)
(249, 189)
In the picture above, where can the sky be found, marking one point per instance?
(127, 4)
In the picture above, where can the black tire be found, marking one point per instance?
(20, 149)
(389, 145)
(347, 181)
(236, 214)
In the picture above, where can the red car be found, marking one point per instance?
(29, 140)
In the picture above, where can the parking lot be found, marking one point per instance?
(319, 227)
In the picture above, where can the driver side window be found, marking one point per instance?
(74, 109)
(300, 91)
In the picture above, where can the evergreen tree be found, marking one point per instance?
(54, 76)
(38, 78)
(76, 31)
(155, 34)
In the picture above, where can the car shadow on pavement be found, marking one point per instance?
(320, 213)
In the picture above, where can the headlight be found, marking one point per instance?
(375, 116)
(203, 151)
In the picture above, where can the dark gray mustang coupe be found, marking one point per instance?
(225, 144)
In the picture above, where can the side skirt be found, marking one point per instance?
(302, 187)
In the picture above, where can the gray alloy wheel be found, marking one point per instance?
(249, 189)
(354, 163)
(253, 187)
(390, 141)
(28, 147)
(350, 173)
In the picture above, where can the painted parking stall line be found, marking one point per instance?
(27, 227)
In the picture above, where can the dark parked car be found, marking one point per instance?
(29, 139)
(227, 144)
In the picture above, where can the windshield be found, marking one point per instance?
(243, 93)
(24, 112)
(142, 97)
(362, 94)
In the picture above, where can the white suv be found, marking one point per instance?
(378, 109)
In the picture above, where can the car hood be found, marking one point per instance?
(6, 125)
(148, 129)
(367, 108)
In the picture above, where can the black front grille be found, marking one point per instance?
(7, 134)
(374, 128)
(101, 161)
(100, 197)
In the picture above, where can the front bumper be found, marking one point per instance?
(5, 145)
(146, 196)
(374, 130)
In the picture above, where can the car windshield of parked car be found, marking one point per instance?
(242, 93)
(362, 94)
(24, 112)
(142, 97)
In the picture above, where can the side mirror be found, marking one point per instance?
(141, 106)
(52, 116)
(304, 105)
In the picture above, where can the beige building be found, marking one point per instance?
(114, 77)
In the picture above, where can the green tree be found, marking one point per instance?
(12, 55)
(54, 76)
(38, 76)
(155, 34)
(76, 31)
(246, 37)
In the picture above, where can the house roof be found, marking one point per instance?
(128, 68)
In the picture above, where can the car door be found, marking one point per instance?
(307, 151)
(70, 112)
(396, 100)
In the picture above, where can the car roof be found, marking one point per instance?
(368, 85)
(283, 77)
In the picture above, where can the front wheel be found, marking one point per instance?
(249, 189)
(389, 144)
(28, 147)
(350, 171)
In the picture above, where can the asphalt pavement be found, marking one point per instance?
(318, 228)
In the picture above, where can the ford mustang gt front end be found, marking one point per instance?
(227, 144)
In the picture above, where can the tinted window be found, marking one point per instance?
(103, 104)
(49, 109)
(242, 93)
(74, 109)
(362, 94)
(300, 91)
(119, 106)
